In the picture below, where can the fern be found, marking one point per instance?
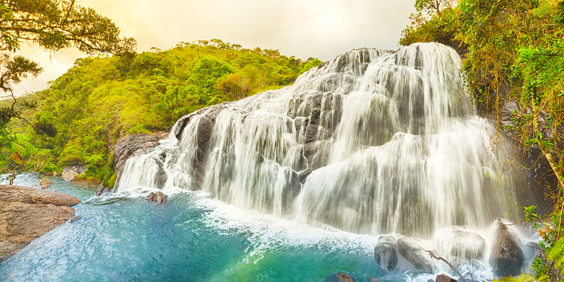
(556, 254)
(21, 145)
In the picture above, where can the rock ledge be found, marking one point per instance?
(28, 213)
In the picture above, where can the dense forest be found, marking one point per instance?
(79, 118)
(513, 51)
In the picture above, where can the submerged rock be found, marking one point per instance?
(45, 183)
(70, 173)
(413, 253)
(506, 256)
(101, 190)
(28, 213)
(157, 197)
(338, 277)
(385, 253)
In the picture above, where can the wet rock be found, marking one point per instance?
(70, 173)
(132, 145)
(338, 277)
(302, 175)
(101, 190)
(461, 244)
(161, 134)
(45, 183)
(444, 278)
(413, 253)
(385, 253)
(75, 218)
(28, 213)
(157, 197)
(506, 255)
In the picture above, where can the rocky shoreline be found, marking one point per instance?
(28, 213)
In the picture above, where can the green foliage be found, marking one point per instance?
(53, 25)
(433, 6)
(523, 278)
(100, 99)
(556, 254)
(205, 75)
(435, 27)
(312, 63)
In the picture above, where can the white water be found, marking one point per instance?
(390, 138)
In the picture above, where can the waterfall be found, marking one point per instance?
(371, 142)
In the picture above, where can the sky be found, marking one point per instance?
(321, 29)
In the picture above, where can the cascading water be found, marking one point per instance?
(372, 142)
(379, 143)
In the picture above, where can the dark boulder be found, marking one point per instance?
(101, 190)
(506, 256)
(413, 253)
(444, 278)
(338, 277)
(385, 253)
(157, 197)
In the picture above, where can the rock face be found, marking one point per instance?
(28, 213)
(132, 145)
(385, 253)
(45, 183)
(101, 190)
(416, 255)
(158, 198)
(338, 277)
(71, 172)
(204, 130)
(506, 256)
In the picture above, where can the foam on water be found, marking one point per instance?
(194, 236)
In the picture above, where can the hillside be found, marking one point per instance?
(81, 115)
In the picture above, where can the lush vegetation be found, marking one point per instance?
(100, 99)
(513, 51)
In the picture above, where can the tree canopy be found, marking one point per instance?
(53, 25)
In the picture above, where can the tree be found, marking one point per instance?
(206, 73)
(433, 5)
(53, 25)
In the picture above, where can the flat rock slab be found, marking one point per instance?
(12, 193)
(27, 214)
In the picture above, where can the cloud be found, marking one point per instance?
(313, 28)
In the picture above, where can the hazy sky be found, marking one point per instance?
(305, 28)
